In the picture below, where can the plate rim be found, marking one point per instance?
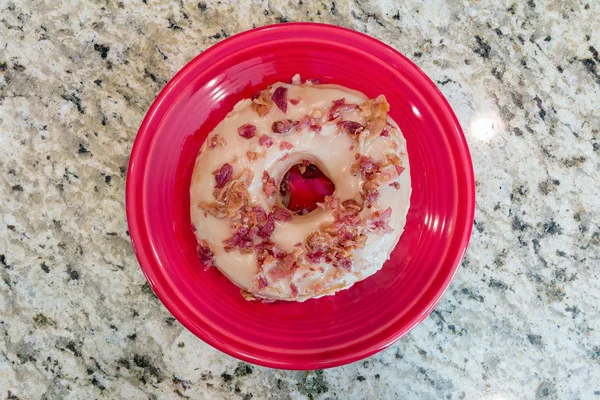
(141, 243)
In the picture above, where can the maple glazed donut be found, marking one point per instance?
(238, 213)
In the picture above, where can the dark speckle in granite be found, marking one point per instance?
(483, 48)
(102, 49)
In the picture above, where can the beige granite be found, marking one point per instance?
(77, 318)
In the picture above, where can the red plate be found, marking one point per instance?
(334, 330)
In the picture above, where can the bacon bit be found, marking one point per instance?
(253, 156)
(378, 222)
(284, 157)
(236, 198)
(319, 241)
(395, 185)
(396, 161)
(205, 254)
(371, 197)
(242, 239)
(314, 124)
(302, 167)
(261, 102)
(351, 205)
(193, 227)
(262, 282)
(352, 148)
(223, 175)
(268, 185)
(247, 131)
(285, 146)
(265, 140)
(215, 209)
(344, 263)
(316, 257)
(215, 141)
(260, 214)
(294, 290)
(387, 173)
(283, 126)
(347, 219)
(285, 268)
(374, 111)
(294, 101)
(385, 133)
(331, 202)
(246, 176)
(350, 127)
(280, 98)
(281, 214)
(366, 165)
(268, 249)
(339, 107)
(268, 228)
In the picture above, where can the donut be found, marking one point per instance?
(238, 191)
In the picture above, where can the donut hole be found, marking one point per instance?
(303, 186)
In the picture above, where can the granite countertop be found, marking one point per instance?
(77, 319)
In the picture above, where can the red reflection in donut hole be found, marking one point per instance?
(303, 186)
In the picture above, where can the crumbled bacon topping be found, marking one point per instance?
(285, 146)
(302, 167)
(339, 107)
(285, 267)
(265, 140)
(223, 175)
(262, 103)
(215, 209)
(378, 222)
(247, 131)
(243, 238)
(374, 111)
(249, 224)
(281, 214)
(294, 290)
(268, 249)
(253, 155)
(365, 165)
(215, 141)
(283, 126)
(259, 214)
(351, 206)
(314, 124)
(236, 198)
(280, 98)
(395, 185)
(268, 228)
(205, 254)
(385, 133)
(370, 196)
(376, 174)
(294, 101)
(396, 161)
(268, 185)
(350, 127)
(262, 282)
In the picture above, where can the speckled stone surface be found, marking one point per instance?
(78, 320)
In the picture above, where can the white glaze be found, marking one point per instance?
(331, 151)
